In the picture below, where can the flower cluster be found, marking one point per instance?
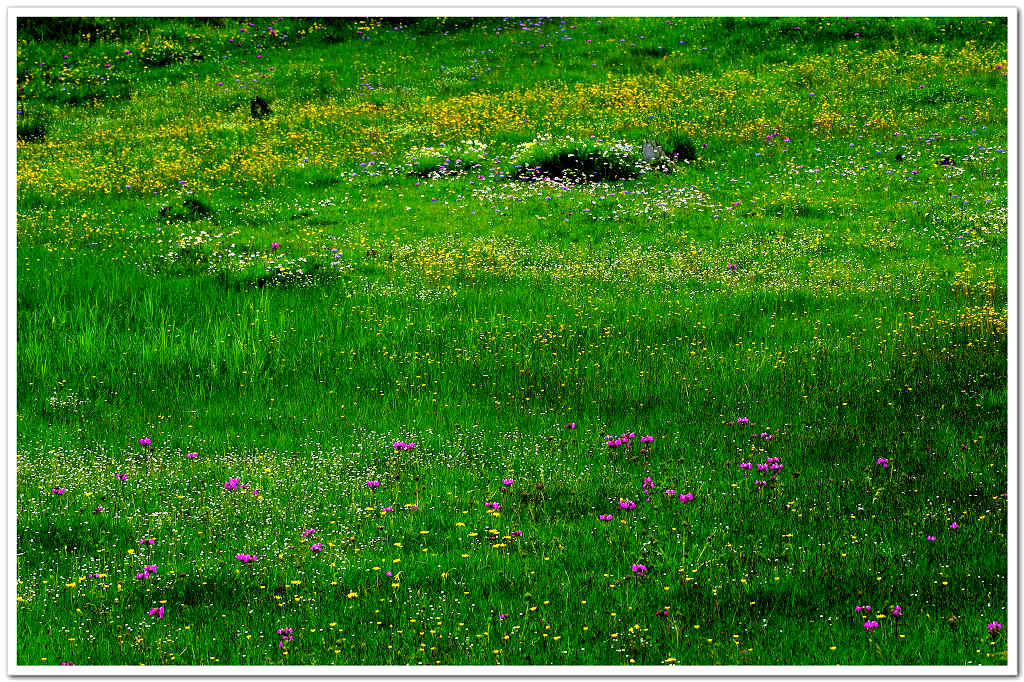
(400, 445)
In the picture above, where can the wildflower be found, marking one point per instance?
(309, 531)
(507, 481)
(121, 477)
(191, 455)
(517, 533)
(731, 266)
(870, 625)
(953, 526)
(746, 465)
(760, 482)
(686, 497)
(372, 484)
(994, 625)
(742, 420)
(275, 246)
(647, 439)
(318, 547)
(145, 442)
(502, 616)
(897, 611)
(147, 541)
(400, 445)
(669, 492)
(663, 612)
(639, 569)
(59, 491)
(570, 425)
(231, 484)
(246, 558)
(158, 612)
(626, 504)
(931, 538)
(883, 461)
(97, 510)
(493, 505)
(862, 608)
(605, 517)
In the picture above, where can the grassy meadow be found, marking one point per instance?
(523, 341)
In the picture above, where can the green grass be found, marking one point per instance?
(806, 262)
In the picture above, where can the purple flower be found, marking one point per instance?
(953, 526)
(400, 445)
(571, 425)
(145, 442)
(59, 491)
(647, 439)
(507, 481)
(883, 461)
(626, 504)
(742, 420)
(231, 484)
(862, 608)
(669, 492)
(318, 547)
(870, 625)
(502, 616)
(994, 625)
(147, 541)
(760, 482)
(517, 533)
(897, 611)
(686, 497)
(97, 510)
(605, 517)
(275, 246)
(158, 612)
(931, 538)
(191, 455)
(746, 465)
(121, 477)
(492, 505)
(373, 484)
(246, 558)
(639, 569)
(731, 266)
(309, 531)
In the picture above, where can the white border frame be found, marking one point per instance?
(801, 8)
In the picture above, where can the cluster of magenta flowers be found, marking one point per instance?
(235, 484)
(883, 462)
(286, 636)
(605, 517)
(771, 465)
(639, 569)
(121, 477)
(626, 504)
(373, 484)
(994, 625)
(158, 612)
(59, 491)
(648, 485)
(317, 547)
(309, 531)
(401, 445)
(624, 440)
(492, 505)
(146, 572)
(145, 442)
(570, 425)
(731, 267)
(742, 420)
(507, 481)
(246, 558)
(191, 455)
(686, 497)
(869, 624)
(147, 541)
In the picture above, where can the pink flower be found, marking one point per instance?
(746, 465)
(372, 484)
(686, 497)
(953, 526)
(318, 547)
(275, 246)
(605, 517)
(883, 461)
(158, 612)
(994, 625)
(870, 625)
(571, 425)
(897, 611)
(121, 477)
(400, 445)
(647, 439)
(639, 569)
(626, 504)
(931, 538)
(231, 484)
(507, 481)
(147, 541)
(502, 616)
(191, 455)
(492, 505)
(742, 420)
(246, 558)
(309, 531)
(862, 608)
(145, 442)
(669, 492)
(59, 491)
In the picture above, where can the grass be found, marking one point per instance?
(402, 253)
